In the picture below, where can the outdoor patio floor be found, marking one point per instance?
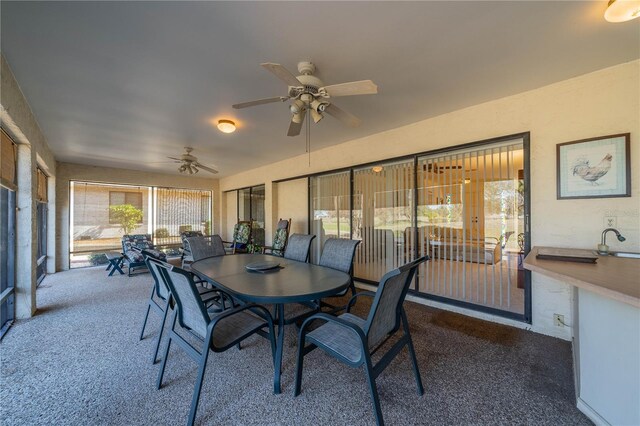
(79, 361)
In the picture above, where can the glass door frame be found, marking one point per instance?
(526, 143)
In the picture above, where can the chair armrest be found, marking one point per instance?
(352, 301)
(227, 313)
(330, 318)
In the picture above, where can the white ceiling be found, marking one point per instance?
(124, 84)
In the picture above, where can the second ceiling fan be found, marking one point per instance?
(309, 93)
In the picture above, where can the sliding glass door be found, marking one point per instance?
(470, 217)
(383, 212)
(330, 209)
(465, 207)
(251, 209)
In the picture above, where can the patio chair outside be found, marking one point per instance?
(354, 340)
(132, 246)
(218, 331)
(241, 237)
(162, 300)
(298, 247)
(280, 238)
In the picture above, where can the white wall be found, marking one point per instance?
(290, 194)
(33, 151)
(600, 103)
(79, 172)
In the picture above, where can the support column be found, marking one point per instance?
(270, 210)
(26, 233)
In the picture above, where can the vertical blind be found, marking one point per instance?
(464, 208)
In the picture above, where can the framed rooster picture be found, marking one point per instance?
(594, 168)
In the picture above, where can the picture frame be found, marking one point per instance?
(594, 168)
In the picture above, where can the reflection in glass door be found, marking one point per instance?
(382, 217)
(470, 214)
(330, 210)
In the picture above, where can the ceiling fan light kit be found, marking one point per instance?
(226, 126)
(190, 164)
(622, 10)
(308, 92)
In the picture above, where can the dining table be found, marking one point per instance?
(282, 281)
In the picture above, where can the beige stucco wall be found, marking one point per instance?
(600, 103)
(33, 151)
(292, 204)
(67, 172)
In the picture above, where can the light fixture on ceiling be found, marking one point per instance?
(622, 10)
(226, 126)
(376, 169)
(467, 180)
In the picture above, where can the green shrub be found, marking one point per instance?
(96, 259)
(127, 216)
(162, 233)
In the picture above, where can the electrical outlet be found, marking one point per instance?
(558, 320)
(610, 221)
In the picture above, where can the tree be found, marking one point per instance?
(127, 216)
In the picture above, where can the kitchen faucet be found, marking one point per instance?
(603, 248)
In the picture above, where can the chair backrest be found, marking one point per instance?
(161, 286)
(338, 254)
(242, 232)
(202, 247)
(192, 313)
(504, 238)
(138, 241)
(384, 316)
(188, 234)
(281, 236)
(298, 247)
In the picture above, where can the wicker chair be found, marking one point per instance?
(298, 247)
(354, 340)
(218, 331)
(279, 239)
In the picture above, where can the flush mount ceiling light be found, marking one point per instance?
(376, 169)
(622, 10)
(226, 126)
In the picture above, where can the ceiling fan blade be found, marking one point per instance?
(209, 169)
(260, 102)
(364, 87)
(282, 73)
(347, 118)
(294, 127)
(174, 158)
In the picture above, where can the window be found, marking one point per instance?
(7, 232)
(165, 213)
(118, 198)
(251, 208)
(464, 207)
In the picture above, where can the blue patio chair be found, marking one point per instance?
(354, 340)
(241, 238)
(298, 247)
(132, 246)
(160, 300)
(218, 331)
(338, 254)
(185, 256)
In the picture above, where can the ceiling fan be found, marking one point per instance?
(189, 163)
(309, 93)
(433, 167)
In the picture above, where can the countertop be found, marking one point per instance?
(613, 277)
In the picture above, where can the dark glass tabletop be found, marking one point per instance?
(292, 282)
